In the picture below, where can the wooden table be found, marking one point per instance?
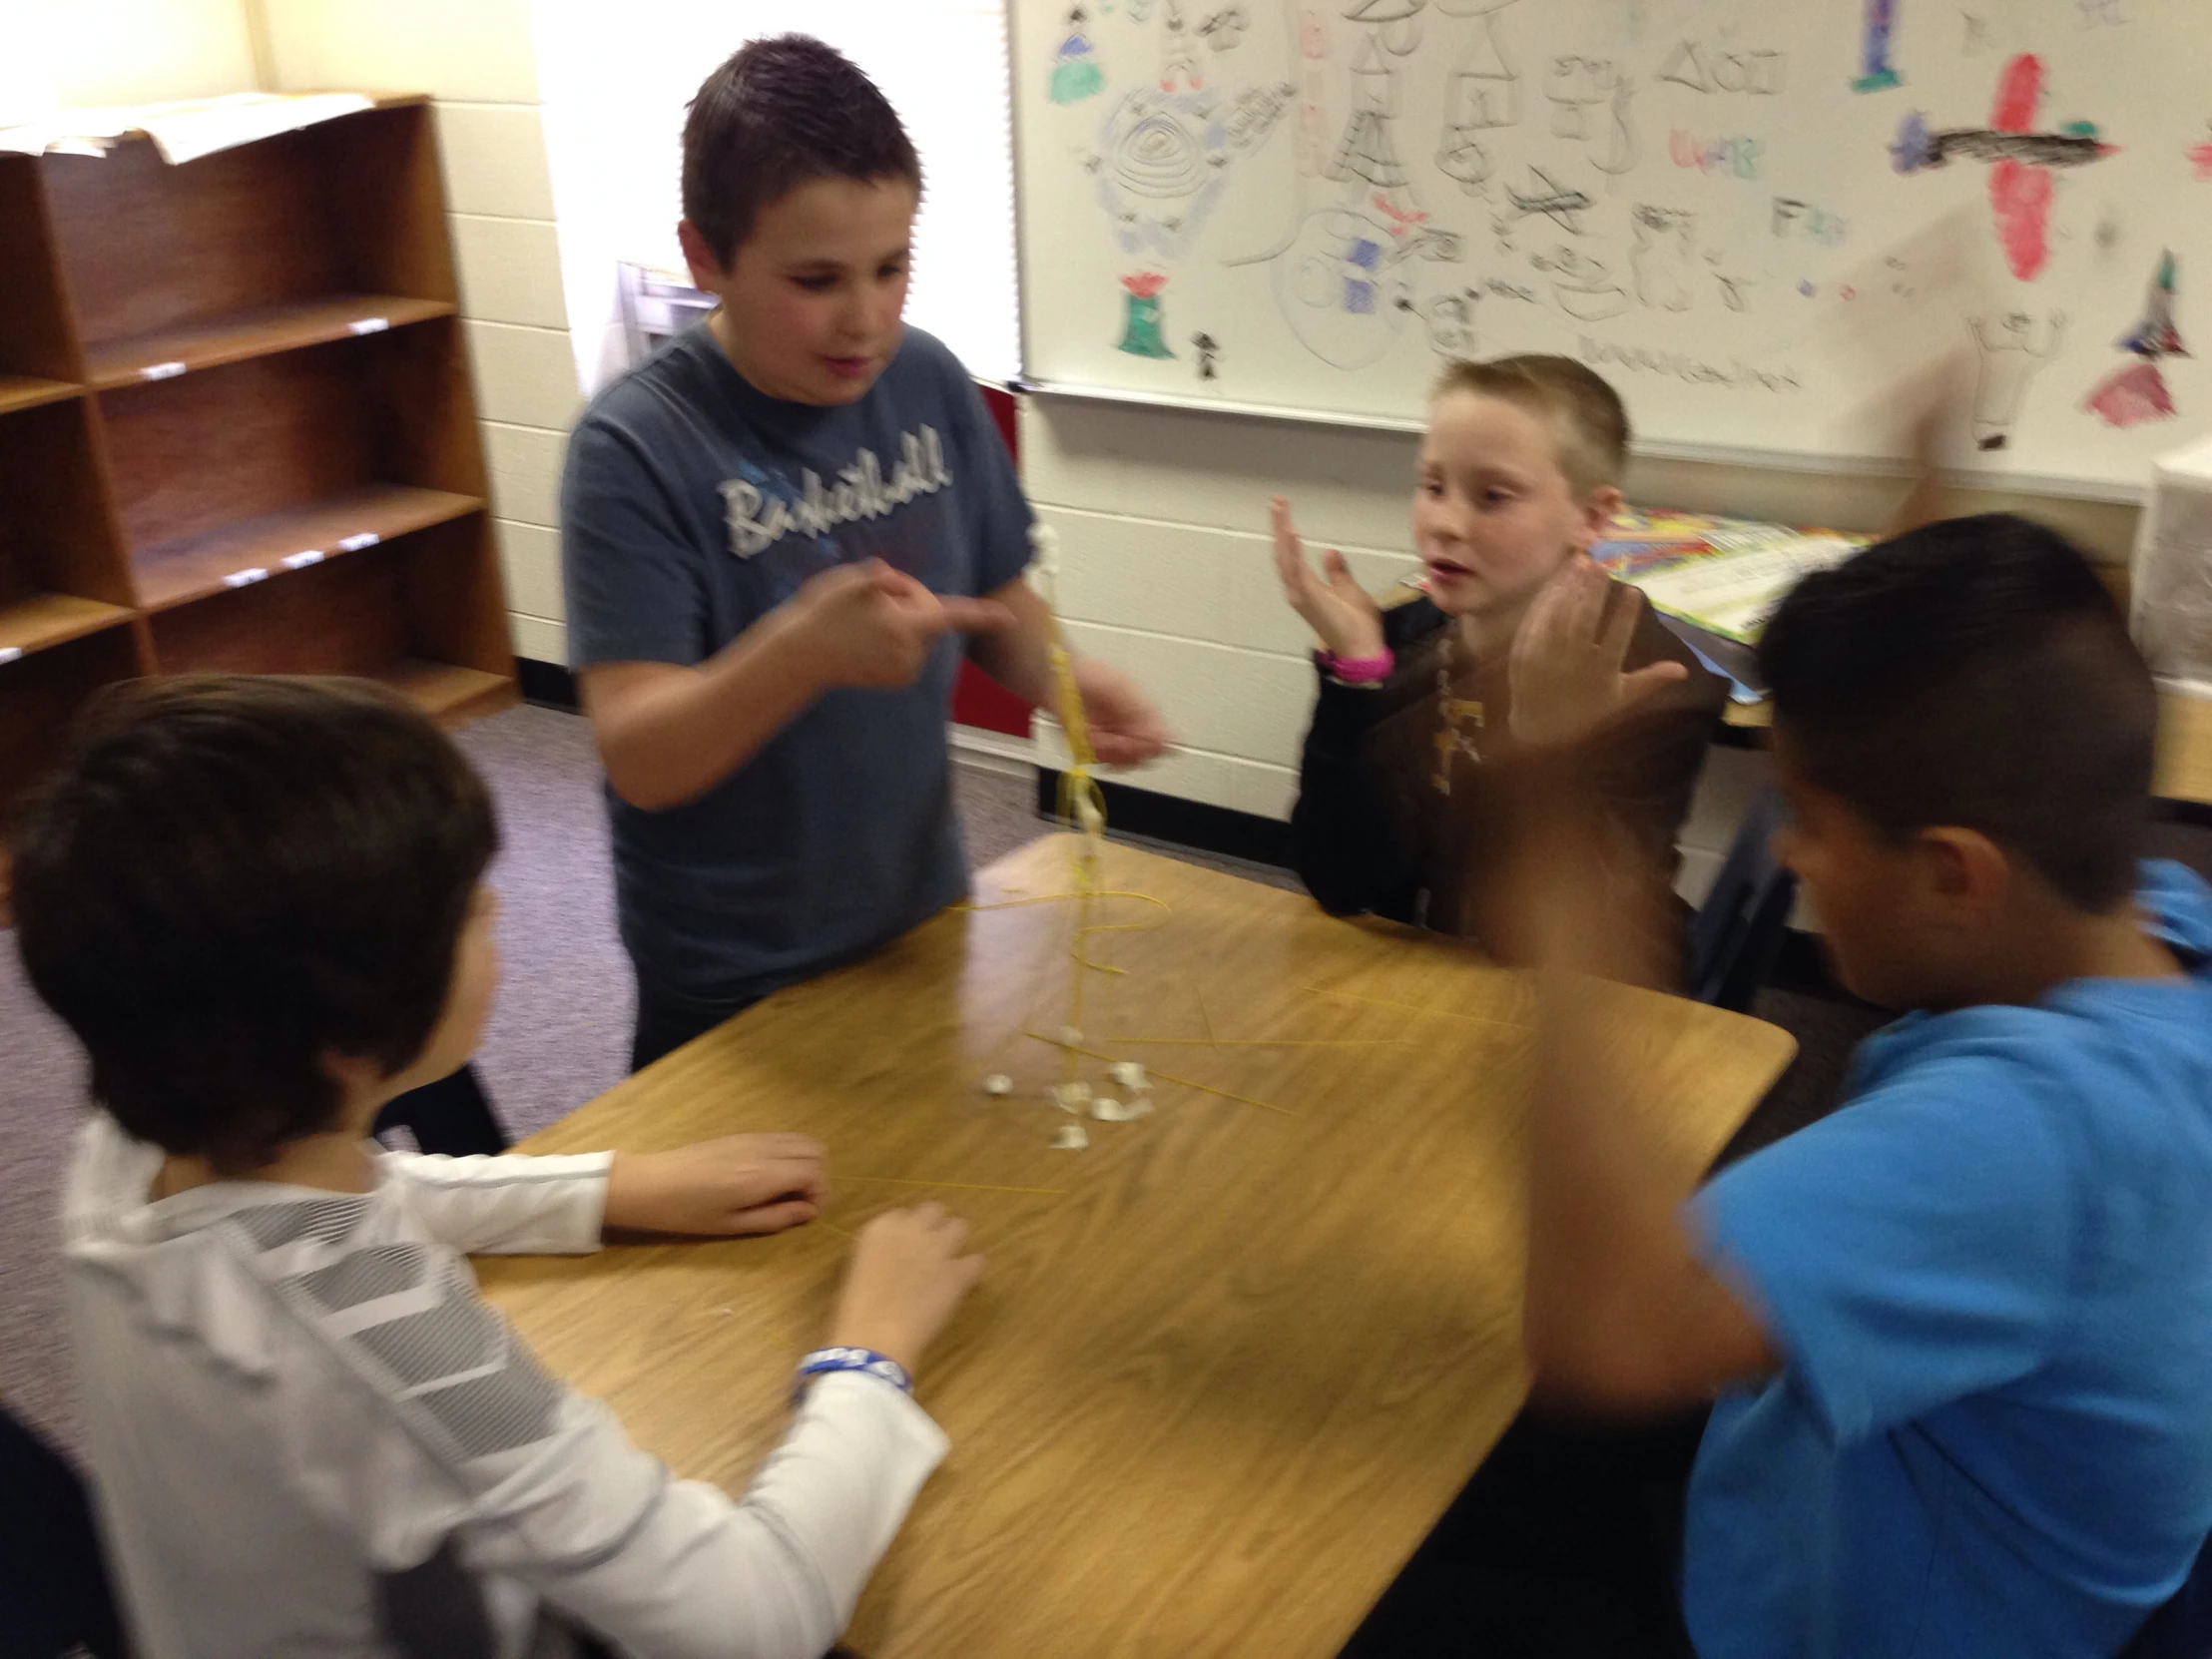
(1228, 1364)
(2184, 772)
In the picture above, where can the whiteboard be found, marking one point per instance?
(1759, 219)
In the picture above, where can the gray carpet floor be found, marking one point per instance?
(560, 1031)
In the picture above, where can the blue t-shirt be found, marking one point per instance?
(1989, 1277)
(692, 505)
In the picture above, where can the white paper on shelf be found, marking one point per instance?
(184, 129)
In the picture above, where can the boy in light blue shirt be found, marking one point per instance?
(1961, 1330)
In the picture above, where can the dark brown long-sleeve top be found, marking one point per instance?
(1374, 831)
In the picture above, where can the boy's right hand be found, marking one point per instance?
(870, 625)
(907, 1275)
(1342, 614)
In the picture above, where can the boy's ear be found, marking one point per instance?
(1968, 874)
(1598, 508)
(707, 270)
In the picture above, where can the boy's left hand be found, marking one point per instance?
(1564, 670)
(1126, 730)
(735, 1184)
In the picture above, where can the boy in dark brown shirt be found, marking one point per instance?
(1520, 654)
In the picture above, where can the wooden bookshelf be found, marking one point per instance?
(237, 428)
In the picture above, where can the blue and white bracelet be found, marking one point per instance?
(863, 1359)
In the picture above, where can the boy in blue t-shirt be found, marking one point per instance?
(1961, 1330)
(771, 535)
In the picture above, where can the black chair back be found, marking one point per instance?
(1738, 931)
(56, 1601)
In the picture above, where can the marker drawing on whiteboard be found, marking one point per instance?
(1577, 86)
(1735, 375)
(1224, 29)
(2009, 360)
(1141, 334)
(1178, 57)
(1734, 286)
(1760, 73)
(1481, 94)
(2200, 158)
(1546, 196)
(1738, 157)
(1075, 71)
(1164, 161)
(1660, 260)
(1876, 71)
(1622, 150)
(1341, 287)
(1209, 356)
(1396, 23)
(2021, 177)
(2138, 392)
(1368, 149)
(1582, 285)
(1451, 321)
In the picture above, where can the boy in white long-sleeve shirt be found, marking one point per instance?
(259, 904)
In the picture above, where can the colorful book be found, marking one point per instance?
(1716, 581)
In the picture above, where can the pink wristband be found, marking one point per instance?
(1357, 670)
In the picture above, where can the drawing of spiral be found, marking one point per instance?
(1159, 157)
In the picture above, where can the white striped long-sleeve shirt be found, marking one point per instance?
(310, 1437)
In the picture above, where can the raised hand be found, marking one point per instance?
(1564, 670)
(1342, 614)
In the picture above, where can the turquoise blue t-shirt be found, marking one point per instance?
(1989, 1276)
(692, 505)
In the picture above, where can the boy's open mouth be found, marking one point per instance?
(1445, 569)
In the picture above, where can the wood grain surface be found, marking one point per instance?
(1228, 1364)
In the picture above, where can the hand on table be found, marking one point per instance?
(909, 1274)
(1126, 730)
(1343, 617)
(1564, 670)
(737, 1184)
(871, 624)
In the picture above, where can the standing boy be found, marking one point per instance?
(1961, 1330)
(773, 534)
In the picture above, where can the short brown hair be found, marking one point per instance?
(780, 112)
(232, 877)
(1593, 424)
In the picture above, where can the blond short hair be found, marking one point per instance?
(1592, 424)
